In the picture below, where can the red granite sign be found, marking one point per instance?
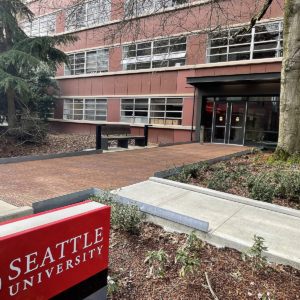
(46, 254)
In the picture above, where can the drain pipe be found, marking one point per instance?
(193, 114)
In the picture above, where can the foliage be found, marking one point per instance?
(186, 172)
(254, 253)
(221, 181)
(30, 130)
(45, 89)
(193, 242)
(112, 285)
(189, 262)
(158, 260)
(125, 217)
(21, 56)
(288, 185)
(260, 188)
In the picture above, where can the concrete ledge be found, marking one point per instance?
(10, 160)
(230, 197)
(170, 172)
(163, 213)
(16, 213)
(60, 201)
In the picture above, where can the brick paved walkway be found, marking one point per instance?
(24, 183)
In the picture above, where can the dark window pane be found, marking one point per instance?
(144, 45)
(263, 116)
(238, 56)
(141, 113)
(143, 66)
(239, 48)
(218, 58)
(179, 40)
(173, 114)
(218, 50)
(144, 52)
(161, 50)
(240, 40)
(271, 27)
(160, 64)
(178, 48)
(265, 46)
(219, 42)
(264, 54)
(267, 36)
(161, 43)
(263, 98)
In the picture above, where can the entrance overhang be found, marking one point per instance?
(256, 78)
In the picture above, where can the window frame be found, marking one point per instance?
(66, 69)
(131, 119)
(251, 44)
(102, 101)
(153, 58)
(102, 17)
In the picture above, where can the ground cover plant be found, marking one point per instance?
(258, 176)
(222, 271)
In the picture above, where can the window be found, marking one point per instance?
(41, 26)
(88, 62)
(85, 109)
(139, 7)
(156, 54)
(264, 41)
(165, 111)
(88, 14)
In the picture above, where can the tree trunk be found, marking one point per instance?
(289, 126)
(11, 109)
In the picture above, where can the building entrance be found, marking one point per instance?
(229, 122)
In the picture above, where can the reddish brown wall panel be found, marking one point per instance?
(108, 85)
(73, 128)
(135, 84)
(168, 82)
(182, 86)
(58, 110)
(188, 112)
(97, 85)
(120, 84)
(113, 110)
(146, 83)
(183, 136)
(115, 58)
(155, 83)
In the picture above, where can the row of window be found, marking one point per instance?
(93, 13)
(88, 62)
(156, 54)
(166, 111)
(85, 109)
(264, 41)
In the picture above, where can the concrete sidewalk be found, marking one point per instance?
(232, 223)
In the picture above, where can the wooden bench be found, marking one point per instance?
(110, 130)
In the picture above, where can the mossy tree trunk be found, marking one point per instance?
(11, 109)
(289, 124)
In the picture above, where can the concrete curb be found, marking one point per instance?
(163, 213)
(170, 172)
(60, 201)
(11, 160)
(230, 197)
(16, 213)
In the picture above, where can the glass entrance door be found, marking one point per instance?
(229, 122)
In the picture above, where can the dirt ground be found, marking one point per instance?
(255, 164)
(55, 143)
(230, 277)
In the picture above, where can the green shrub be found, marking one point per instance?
(157, 259)
(288, 185)
(124, 217)
(186, 172)
(220, 181)
(260, 188)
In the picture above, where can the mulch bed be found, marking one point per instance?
(55, 143)
(255, 164)
(230, 277)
